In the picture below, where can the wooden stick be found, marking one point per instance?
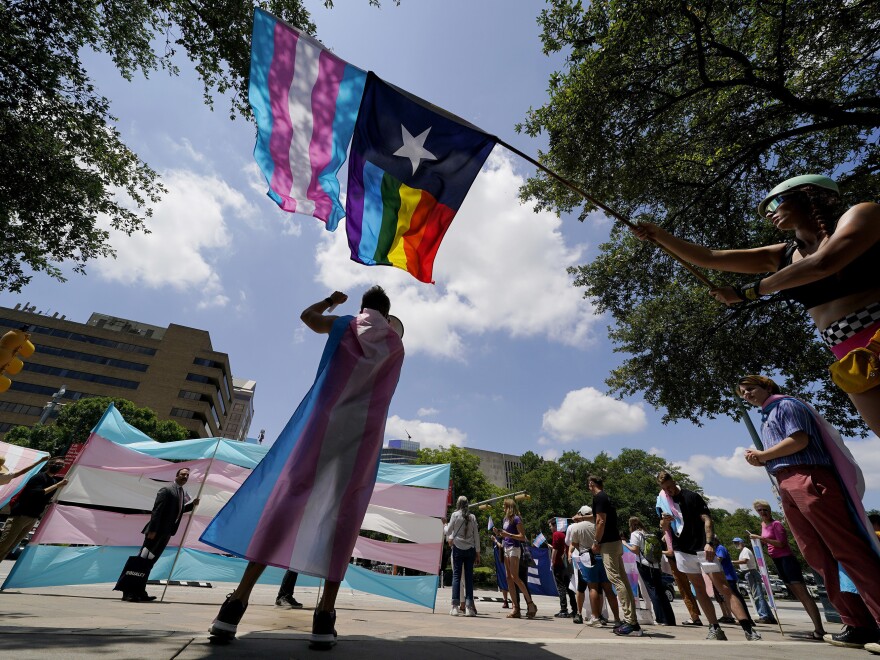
(614, 214)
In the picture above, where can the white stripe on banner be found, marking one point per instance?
(299, 103)
(89, 485)
(410, 526)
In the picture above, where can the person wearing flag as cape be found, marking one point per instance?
(821, 487)
(302, 507)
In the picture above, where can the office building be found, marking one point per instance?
(402, 452)
(498, 468)
(239, 422)
(175, 371)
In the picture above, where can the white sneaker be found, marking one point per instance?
(594, 622)
(470, 611)
(454, 611)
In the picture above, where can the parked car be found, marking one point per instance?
(669, 587)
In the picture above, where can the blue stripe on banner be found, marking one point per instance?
(371, 224)
(56, 565)
(427, 476)
(351, 89)
(262, 52)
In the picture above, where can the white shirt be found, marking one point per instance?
(746, 554)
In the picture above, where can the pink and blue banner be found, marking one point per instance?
(305, 100)
(758, 550)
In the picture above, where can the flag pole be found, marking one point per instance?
(189, 521)
(614, 214)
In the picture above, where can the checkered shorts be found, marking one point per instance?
(851, 324)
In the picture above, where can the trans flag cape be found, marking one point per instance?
(303, 505)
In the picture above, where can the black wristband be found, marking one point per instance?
(750, 291)
(329, 301)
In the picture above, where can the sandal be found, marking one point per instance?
(514, 615)
(531, 610)
(691, 622)
(816, 637)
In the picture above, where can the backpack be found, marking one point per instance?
(651, 551)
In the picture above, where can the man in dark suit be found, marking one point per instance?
(171, 503)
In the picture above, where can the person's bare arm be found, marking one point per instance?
(315, 318)
(709, 529)
(29, 467)
(786, 447)
(754, 260)
(53, 488)
(857, 231)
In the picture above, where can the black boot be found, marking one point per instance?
(323, 630)
(225, 626)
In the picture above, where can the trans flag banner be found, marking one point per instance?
(17, 458)
(762, 568)
(86, 537)
(305, 100)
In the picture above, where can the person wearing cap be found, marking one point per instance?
(821, 487)
(6, 476)
(829, 266)
(561, 571)
(580, 536)
(749, 567)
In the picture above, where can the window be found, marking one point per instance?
(20, 408)
(88, 357)
(76, 336)
(80, 375)
(214, 364)
(48, 391)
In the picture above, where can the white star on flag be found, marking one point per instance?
(414, 147)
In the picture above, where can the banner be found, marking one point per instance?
(762, 568)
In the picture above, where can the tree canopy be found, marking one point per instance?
(687, 114)
(559, 488)
(77, 419)
(62, 161)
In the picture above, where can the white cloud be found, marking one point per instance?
(726, 503)
(427, 412)
(427, 434)
(867, 455)
(657, 451)
(733, 466)
(501, 267)
(187, 228)
(550, 454)
(587, 413)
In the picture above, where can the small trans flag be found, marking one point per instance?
(491, 524)
(561, 524)
(540, 539)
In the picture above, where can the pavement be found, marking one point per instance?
(91, 621)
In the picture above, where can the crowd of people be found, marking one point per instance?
(827, 266)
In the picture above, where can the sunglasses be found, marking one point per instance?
(762, 510)
(774, 203)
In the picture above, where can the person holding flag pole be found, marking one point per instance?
(189, 520)
(821, 487)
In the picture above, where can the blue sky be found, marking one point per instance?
(502, 353)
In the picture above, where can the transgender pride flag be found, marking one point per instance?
(305, 101)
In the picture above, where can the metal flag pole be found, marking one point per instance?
(189, 521)
(614, 214)
(518, 496)
(756, 439)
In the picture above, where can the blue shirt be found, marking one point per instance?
(726, 565)
(784, 418)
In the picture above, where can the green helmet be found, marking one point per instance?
(797, 182)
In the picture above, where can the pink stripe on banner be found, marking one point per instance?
(424, 501)
(418, 556)
(106, 455)
(331, 71)
(281, 72)
(80, 526)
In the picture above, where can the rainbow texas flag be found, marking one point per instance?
(410, 168)
(305, 100)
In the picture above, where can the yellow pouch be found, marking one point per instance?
(859, 370)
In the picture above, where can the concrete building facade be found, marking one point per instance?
(175, 371)
(239, 421)
(498, 468)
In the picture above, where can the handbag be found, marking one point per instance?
(859, 370)
(133, 579)
(525, 552)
